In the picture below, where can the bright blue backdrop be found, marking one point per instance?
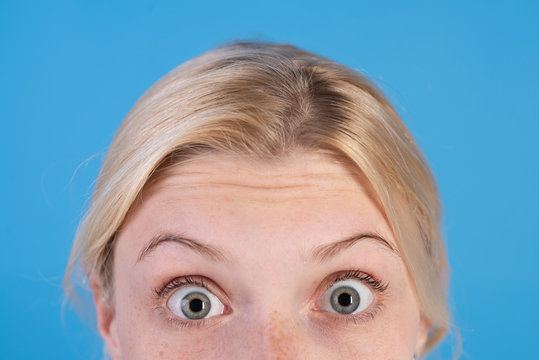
(464, 77)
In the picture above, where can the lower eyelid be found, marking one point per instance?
(327, 319)
(331, 319)
(175, 322)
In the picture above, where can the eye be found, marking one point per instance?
(194, 303)
(346, 297)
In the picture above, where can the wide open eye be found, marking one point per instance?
(194, 303)
(346, 297)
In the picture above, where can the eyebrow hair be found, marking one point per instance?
(324, 252)
(319, 254)
(206, 250)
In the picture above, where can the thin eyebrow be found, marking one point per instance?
(205, 250)
(324, 252)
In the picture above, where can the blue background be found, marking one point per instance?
(464, 76)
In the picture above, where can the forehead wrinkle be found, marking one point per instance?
(248, 193)
(267, 186)
(197, 179)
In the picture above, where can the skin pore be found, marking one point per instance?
(264, 241)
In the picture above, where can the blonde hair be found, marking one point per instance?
(265, 100)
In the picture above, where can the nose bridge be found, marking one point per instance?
(271, 322)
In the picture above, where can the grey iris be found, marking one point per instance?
(345, 300)
(195, 305)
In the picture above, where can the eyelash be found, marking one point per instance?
(376, 285)
(359, 275)
(180, 282)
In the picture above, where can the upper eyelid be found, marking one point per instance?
(168, 287)
(192, 280)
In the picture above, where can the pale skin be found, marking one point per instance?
(267, 238)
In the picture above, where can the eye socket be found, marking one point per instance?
(346, 297)
(194, 303)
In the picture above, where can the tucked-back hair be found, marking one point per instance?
(266, 100)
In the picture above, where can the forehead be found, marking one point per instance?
(217, 195)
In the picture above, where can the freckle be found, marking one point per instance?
(161, 353)
(283, 338)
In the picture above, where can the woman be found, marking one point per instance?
(261, 201)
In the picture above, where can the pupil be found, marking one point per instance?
(196, 305)
(345, 299)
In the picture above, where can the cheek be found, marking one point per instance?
(391, 340)
(141, 337)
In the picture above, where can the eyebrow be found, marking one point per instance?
(324, 252)
(319, 254)
(206, 250)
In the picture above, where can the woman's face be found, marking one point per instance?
(234, 258)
